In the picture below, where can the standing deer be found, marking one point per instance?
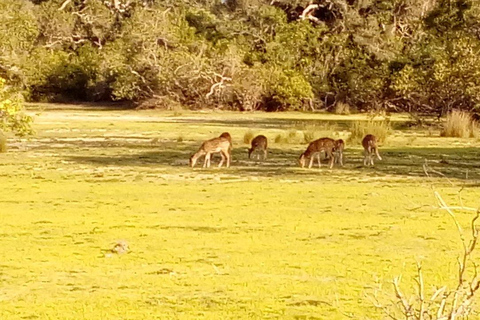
(369, 144)
(227, 136)
(214, 145)
(315, 148)
(338, 151)
(259, 143)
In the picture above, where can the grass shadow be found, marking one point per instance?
(453, 163)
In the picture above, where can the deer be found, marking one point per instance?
(214, 145)
(259, 143)
(339, 145)
(227, 136)
(315, 148)
(369, 144)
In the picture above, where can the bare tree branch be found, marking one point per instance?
(64, 4)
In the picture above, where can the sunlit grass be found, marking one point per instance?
(258, 240)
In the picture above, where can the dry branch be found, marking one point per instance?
(308, 13)
(453, 304)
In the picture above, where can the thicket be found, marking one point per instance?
(399, 55)
(12, 117)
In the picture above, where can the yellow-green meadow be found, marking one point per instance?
(256, 240)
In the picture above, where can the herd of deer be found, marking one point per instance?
(333, 150)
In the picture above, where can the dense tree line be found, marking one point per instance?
(413, 55)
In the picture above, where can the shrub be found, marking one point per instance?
(459, 124)
(12, 117)
(381, 129)
(288, 87)
(248, 137)
(309, 136)
(313, 132)
(289, 137)
(342, 108)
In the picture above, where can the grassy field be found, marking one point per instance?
(257, 240)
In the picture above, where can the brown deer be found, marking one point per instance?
(315, 148)
(227, 136)
(369, 143)
(214, 145)
(338, 151)
(259, 143)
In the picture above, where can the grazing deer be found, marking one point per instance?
(214, 145)
(259, 143)
(338, 151)
(227, 136)
(369, 143)
(315, 148)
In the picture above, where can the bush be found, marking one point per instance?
(459, 124)
(309, 136)
(289, 137)
(287, 87)
(54, 75)
(12, 117)
(381, 129)
(342, 108)
(248, 137)
(313, 132)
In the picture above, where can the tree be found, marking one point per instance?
(12, 116)
(404, 55)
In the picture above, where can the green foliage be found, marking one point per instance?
(18, 27)
(12, 117)
(246, 54)
(287, 86)
(54, 75)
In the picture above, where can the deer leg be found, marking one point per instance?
(311, 162)
(332, 159)
(339, 157)
(265, 154)
(205, 161)
(229, 157)
(206, 164)
(221, 161)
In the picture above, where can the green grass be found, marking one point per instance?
(257, 240)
